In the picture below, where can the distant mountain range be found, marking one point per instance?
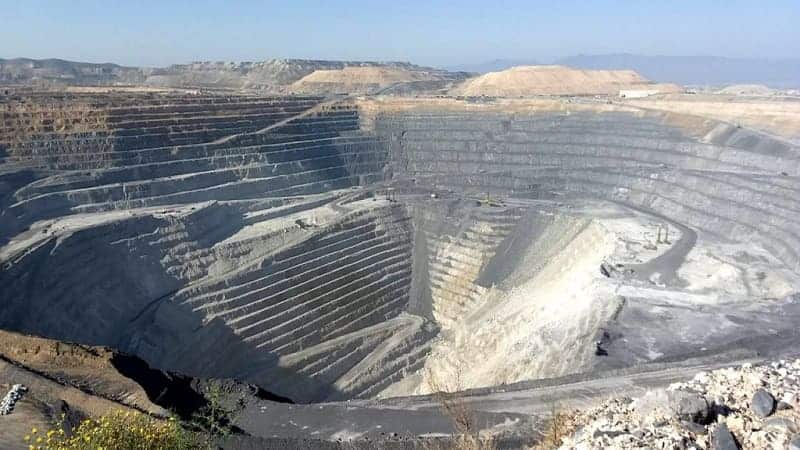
(686, 70)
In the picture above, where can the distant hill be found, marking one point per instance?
(269, 75)
(26, 71)
(698, 70)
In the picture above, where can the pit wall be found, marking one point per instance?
(58, 125)
(454, 241)
(208, 258)
(306, 313)
(310, 155)
(730, 182)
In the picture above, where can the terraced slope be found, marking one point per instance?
(262, 248)
(731, 182)
(456, 243)
(311, 154)
(174, 119)
(245, 257)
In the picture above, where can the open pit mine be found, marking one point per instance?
(354, 262)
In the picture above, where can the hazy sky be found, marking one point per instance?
(154, 33)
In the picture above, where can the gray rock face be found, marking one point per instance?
(723, 439)
(685, 406)
(763, 403)
(794, 444)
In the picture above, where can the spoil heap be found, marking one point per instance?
(526, 81)
(363, 80)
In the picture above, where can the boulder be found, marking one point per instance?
(723, 439)
(794, 444)
(686, 406)
(762, 404)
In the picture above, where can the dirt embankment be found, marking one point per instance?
(524, 81)
(90, 369)
(80, 381)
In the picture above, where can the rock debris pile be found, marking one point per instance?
(746, 407)
(11, 398)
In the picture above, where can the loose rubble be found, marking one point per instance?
(11, 398)
(746, 407)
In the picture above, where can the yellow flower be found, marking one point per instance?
(34, 430)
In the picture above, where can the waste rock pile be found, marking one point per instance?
(745, 407)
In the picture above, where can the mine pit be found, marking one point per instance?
(368, 250)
